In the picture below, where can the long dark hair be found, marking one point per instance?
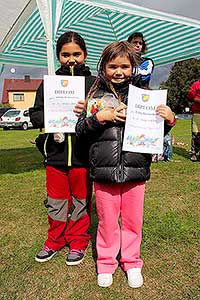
(112, 51)
(69, 37)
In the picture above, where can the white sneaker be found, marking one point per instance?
(104, 280)
(135, 279)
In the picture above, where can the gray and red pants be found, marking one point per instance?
(66, 188)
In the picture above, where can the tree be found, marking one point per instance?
(6, 105)
(181, 77)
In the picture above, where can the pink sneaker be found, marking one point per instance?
(45, 254)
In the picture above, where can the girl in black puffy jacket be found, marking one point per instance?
(67, 179)
(119, 177)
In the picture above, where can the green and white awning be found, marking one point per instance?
(170, 38)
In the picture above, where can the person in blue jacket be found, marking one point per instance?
(142, 74)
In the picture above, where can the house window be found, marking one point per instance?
(18, 97)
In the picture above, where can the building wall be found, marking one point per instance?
(21, 100)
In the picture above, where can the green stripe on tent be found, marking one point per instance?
(101, 22)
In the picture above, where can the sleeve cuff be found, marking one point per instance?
(172, 123)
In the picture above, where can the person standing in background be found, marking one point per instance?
(142, 74)
(194, 96)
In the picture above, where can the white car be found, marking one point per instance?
(15, 118)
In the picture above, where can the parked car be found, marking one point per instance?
(15, 118)
(184, 116)
(3, 110)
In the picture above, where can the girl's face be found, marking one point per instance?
(137, 43)
(71, 53)
(118, 69)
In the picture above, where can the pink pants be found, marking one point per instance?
(113, 201)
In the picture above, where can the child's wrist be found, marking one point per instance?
(99, 118)
(173, 122)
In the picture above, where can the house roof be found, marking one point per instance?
(19, 85)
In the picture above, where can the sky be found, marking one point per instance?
(185, 8)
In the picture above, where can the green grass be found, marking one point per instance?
(170, 248)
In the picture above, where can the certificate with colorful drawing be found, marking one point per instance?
(61, 93)
(144, 128)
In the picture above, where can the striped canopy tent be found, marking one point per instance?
(32, 37)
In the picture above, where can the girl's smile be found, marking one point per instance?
(119, 69)
(71, 53)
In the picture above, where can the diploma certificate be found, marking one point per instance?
(61, 93)
(144, 128)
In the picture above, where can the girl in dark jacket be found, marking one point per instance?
(119, 177)
(66, 173)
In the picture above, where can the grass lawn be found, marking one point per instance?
(170, 247)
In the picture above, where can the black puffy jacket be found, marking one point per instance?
(108, 163)
(69, 152)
